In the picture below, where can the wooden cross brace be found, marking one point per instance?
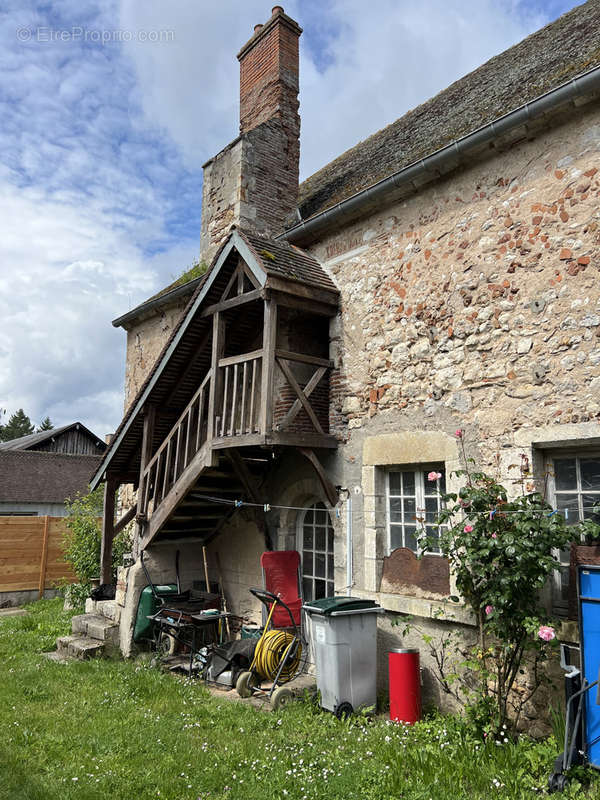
(302, 395)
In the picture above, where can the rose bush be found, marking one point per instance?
(501, 554)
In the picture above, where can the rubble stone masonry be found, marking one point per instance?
(145, 340)
(476, 303)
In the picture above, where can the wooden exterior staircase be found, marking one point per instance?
(244, 378)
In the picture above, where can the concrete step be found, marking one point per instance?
(105, 608)
(95, 626)
(57, 657)
(77, 646)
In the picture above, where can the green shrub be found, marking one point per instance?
(82, 541)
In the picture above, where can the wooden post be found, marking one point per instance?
(145, 456)
(268, 367)
(44, 559)
(108, 529)
(218, 347)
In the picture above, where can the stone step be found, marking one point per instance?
(12, 612)
(77, 646)
(96, 626)
(105, 608)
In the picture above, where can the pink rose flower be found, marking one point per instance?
(547, 633)
(468, 529)
(494, 535)
(434, 476)
(489, 609)
(458, 433)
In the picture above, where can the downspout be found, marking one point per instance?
(349, 545)
(457, 152)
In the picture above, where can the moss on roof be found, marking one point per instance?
(541, 62)
(191, 273)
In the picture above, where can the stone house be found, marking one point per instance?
(441, 274)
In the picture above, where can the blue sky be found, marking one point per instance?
(102, 144)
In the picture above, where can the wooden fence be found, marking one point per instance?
(31, 554)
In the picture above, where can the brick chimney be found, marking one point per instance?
(269, 74)
(253, 182)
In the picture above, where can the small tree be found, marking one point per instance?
(83, 537)
(18, 425)
(501, 554)
(45, 425)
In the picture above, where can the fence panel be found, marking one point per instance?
(31, 553)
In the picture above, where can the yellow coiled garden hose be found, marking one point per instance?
(271, 649)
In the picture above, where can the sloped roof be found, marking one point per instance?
(287, 261)
(41, 477)
(34, 439)
(271, 258)
(541, 62)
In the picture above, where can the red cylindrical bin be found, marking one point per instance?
(405, 686)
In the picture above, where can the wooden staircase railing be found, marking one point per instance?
(240, 380)
(238, 412)
(184, 440)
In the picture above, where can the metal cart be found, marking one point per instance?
(279, 656)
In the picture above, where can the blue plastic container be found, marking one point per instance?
(589, 621)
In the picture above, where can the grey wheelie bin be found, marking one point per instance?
(344, 638)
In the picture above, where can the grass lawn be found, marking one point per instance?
(125, 731)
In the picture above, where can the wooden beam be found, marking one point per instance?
(145, 452)
(302, 290)
(313, 440)
(234, 276)
(302, 304)
(328, 487)
(268, 366)
(300, 394)
(218, 347)
(108, 529)
(44, 559)
(297, 405)
(318, 362)
(226, 362)
(238, 300)
(127, 517)
(244, 476)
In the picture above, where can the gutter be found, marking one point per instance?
(442, 160)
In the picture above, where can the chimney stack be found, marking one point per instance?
(269, 73)
(253, 182)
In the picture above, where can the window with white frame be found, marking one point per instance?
(413, 504)
(575, 488)
(315, 543)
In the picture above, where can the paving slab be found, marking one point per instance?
(13, 612)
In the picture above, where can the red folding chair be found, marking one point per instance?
(281, 576)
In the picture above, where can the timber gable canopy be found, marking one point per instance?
(248, 271)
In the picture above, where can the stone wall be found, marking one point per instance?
(145, 340)
(477, 303)
(473, 305)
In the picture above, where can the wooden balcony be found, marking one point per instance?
(249, 405)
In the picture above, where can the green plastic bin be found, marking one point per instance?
(148, 604)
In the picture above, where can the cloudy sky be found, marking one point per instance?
(108, 108)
